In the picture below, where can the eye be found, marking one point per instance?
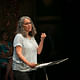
(27, 23)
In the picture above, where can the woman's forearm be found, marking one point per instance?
(40, 47)
(19, 53)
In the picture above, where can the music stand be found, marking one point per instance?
(44, 65)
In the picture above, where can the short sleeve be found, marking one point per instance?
(18, 40)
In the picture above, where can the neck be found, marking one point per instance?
(28, 36)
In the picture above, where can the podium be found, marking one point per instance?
(44, 65)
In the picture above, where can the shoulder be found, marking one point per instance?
(33, 38)
(9, 43)
(18, 35)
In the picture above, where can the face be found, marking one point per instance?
(27, 25)
(5, 36)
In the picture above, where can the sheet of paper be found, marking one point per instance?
(49, 64)
(44, 64)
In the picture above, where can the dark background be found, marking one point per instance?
(55, 18)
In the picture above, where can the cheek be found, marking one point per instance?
(30, 27)
(24, 27)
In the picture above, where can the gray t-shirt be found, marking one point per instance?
(29, 51)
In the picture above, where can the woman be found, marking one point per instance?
(5, 57)
(26, 49)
